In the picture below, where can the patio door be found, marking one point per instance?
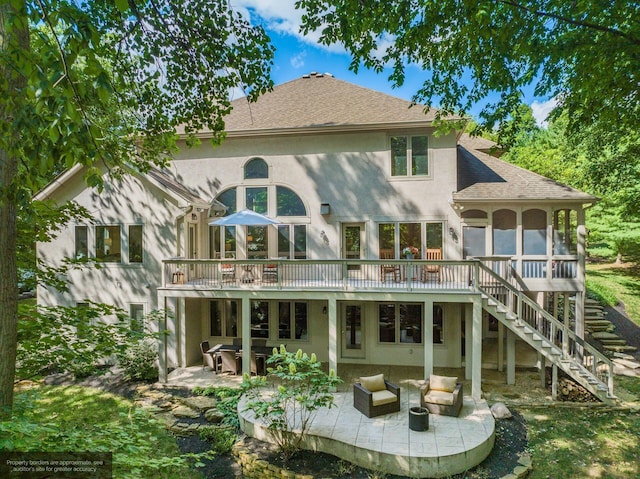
(351, 324)
(352, 243)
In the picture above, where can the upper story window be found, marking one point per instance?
(409, 155)
(256, 168)
(135, 244)
(108, 244)
(82, 242)
(565, 236)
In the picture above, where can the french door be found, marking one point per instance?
(351, 327)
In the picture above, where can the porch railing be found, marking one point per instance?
(555, 332)
(404, 275)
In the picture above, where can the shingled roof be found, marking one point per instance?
(482, 177)
(322, 101)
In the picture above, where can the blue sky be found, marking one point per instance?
(297, 55)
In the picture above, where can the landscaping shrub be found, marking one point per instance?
(139, 360)
(221, 438)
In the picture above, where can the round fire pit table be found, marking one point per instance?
(418, 418)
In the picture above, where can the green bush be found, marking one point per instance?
(221, 438)
(299, 388)
(139, 360)
(228, 398)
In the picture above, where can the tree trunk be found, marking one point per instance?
(14, 48)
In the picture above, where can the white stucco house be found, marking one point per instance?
(353, 177)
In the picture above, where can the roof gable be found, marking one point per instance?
(322, 101)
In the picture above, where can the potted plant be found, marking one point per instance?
(410, 251)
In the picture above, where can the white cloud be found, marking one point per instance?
(282, 17)
(297, 61)
(541, 110)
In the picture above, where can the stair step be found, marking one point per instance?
(613, 342)
(619, 348)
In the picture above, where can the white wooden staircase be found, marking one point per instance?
(547, 335)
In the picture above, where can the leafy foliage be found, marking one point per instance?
(83, 419)
(140, 360)
(221, 438)
(584, 54)
(228, 399)
(75, 339)
(299, 388)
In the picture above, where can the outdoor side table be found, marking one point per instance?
(418, 418)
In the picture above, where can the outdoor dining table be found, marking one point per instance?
(262, 352)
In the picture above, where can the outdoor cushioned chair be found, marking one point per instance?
(230, 363)
(375, 396)
(442, 395)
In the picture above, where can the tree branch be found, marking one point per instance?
(593, 26)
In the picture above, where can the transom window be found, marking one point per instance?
(409, 155)
(256, 168)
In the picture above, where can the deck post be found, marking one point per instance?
(511, 357)
(500, 347)
(181, 328)
(554, 382)
(428, 338)
(468, 339)
(332, 311)
(246, 334)
(476, 373)
(162, 339)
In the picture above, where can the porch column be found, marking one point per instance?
(580, 295)
(500, 346)
(468, 339)
(246, 335)
(181, 336)
(166, 304)
(332, 312)
(476, 372)
(428, 338)
(511, 357)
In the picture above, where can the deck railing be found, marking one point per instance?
(404, 275)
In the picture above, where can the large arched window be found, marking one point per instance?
(534, 232)
(289, 203)
(504, 232)
(228, 198)
(256, 168)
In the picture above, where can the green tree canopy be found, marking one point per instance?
(586, 53)
(107, 85)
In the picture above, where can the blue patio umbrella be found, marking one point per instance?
(245, 218)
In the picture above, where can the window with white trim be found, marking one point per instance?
(410, 155)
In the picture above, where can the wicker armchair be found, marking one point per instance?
(374, 396)
(442, 395)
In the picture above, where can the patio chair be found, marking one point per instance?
(392, 270)
(270, 273)
(228, 273)
(442, 395)
(374, 396)
(209, 359)
(433, 254)
(230, 363)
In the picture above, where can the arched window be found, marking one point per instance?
(534, 232)
(504, 232)
(475, 214)
(256, 168)
(228, 198)
(289, 203)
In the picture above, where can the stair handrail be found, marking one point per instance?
(571, 342)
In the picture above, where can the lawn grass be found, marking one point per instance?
(64, 419)
(616, 282)
(583, 442)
